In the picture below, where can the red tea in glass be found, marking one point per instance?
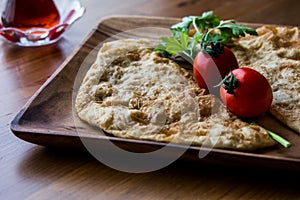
(27, 14)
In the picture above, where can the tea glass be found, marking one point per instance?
(69, 11)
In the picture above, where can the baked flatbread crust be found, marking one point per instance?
(131, 92)
(275, 53)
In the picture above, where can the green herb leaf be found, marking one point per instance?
(206, 21)
(237, 30)
(227, 30)
(183, 26)
(209, 28)
(174, 45)
(161, 48)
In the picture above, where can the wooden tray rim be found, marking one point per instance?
(18, 130)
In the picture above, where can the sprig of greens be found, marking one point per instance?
(181, 44)
(209, 29)
(204, 22)
(276, 137)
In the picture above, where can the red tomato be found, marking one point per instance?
(251, 97)
(210, 70)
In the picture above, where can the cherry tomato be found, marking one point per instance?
(209, 70)
(246, 93)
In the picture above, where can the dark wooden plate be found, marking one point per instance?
(48, 119)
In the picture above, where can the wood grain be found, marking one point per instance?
(29, 171)
(48, 118)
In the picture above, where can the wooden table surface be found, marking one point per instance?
(29, 171)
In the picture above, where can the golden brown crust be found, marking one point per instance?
(276, 54)
(131, 92)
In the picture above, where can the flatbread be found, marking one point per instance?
(275, 53)
(131, 92)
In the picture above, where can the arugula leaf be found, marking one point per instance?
(175, 45)
(178, 45)
(161, 48)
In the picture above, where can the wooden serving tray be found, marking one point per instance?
(48, 118)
